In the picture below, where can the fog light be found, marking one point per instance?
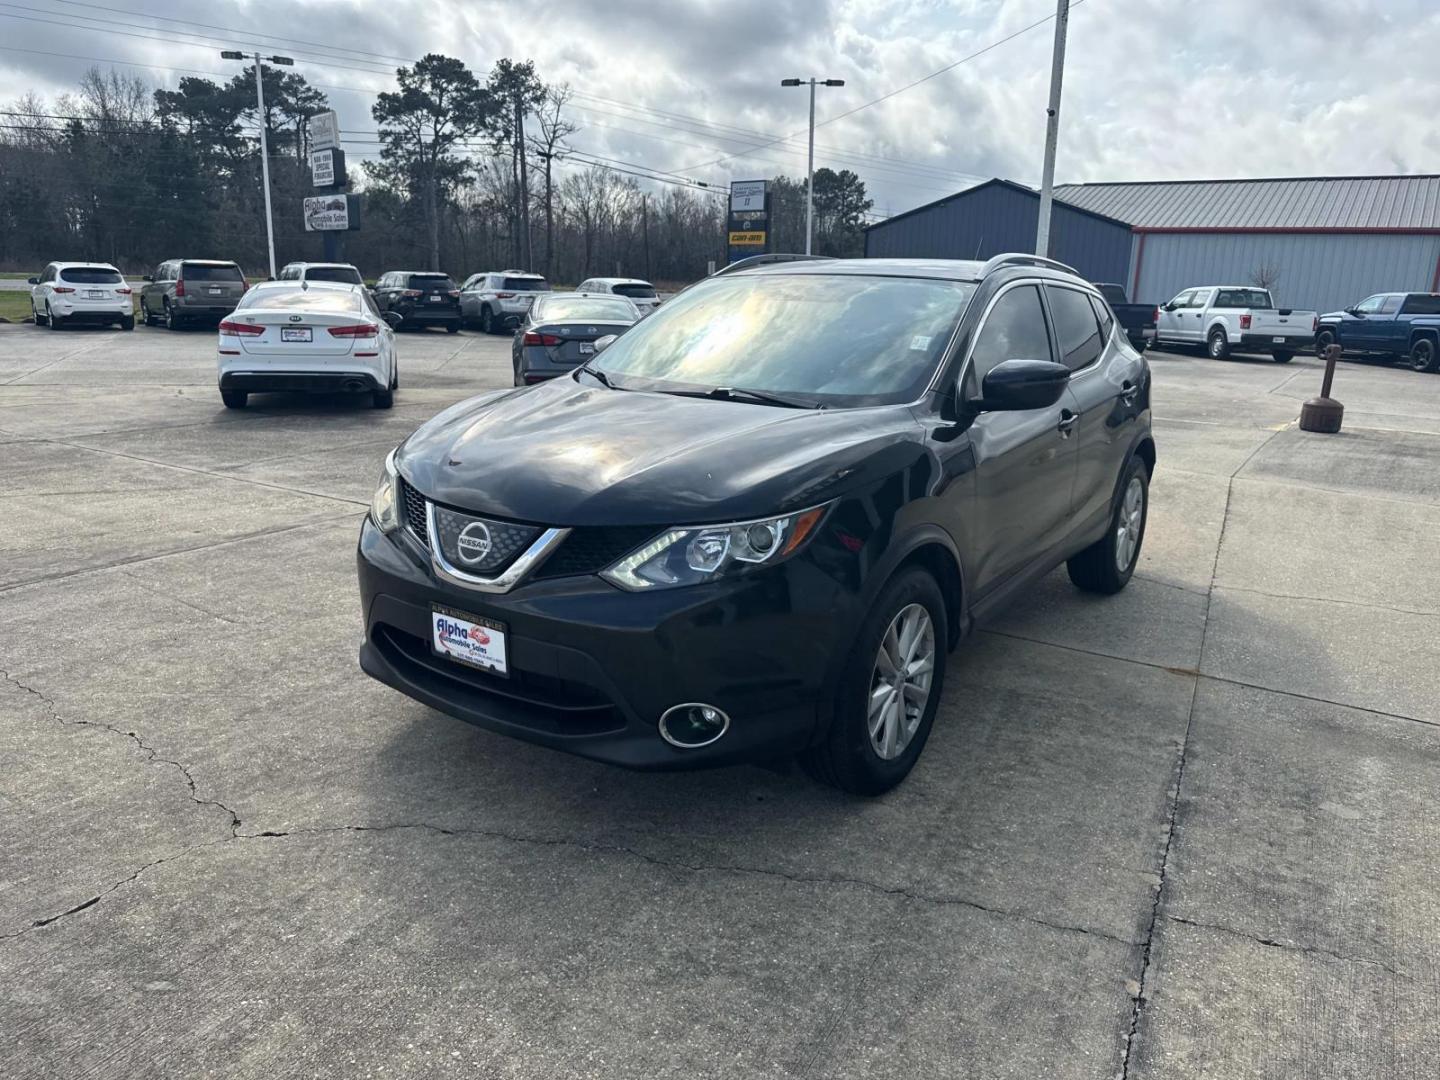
(693, 725)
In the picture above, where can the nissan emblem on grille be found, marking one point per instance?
(477, 545)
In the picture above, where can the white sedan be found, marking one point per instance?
(307, 337)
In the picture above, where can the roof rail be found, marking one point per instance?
(764, 260)
(1015, 258)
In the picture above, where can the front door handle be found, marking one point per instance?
(1068, 420)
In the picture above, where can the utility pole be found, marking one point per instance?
(645, 230)
(525, 248)
(1052, 129)
(810, 166)
(283, 61)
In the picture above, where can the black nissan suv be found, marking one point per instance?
(756, 525)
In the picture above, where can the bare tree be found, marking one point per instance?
(546, 146)
(1266, 275)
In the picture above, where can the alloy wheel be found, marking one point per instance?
(900, 682)
(1132, 520)
(1422, 355)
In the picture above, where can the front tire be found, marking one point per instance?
(1323, 340)
(234, 399)
(35, 314)
(1424, 356)
(1218, 345)
(1107, 565)
(888, 691)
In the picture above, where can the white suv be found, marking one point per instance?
(344, 273)
(641, 293)
(498, 299)
(81, 292)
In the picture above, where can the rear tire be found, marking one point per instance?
(35, 315)
(382, 399)
(234, 399)
(487, 321)
(1282, 357)
(452, 328)
(1424, 356)
(52, 320)
(127, 322)
(849, 758)
(1107, 565)
(145, 315)
(172, 320)
(1218, 345)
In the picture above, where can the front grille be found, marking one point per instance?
(415, 512)
(590, 550)
(480, 545)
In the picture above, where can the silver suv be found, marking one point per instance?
(345, 273)
(184, 291)
(498, 299)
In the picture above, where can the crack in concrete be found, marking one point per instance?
(698, 868)
(1430, 614)
(152, 757)
(1292, 946)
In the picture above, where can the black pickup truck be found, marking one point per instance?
(1137, 319)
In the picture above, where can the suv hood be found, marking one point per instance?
(562, 453)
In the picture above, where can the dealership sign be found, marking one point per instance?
(324, 131)
(327, 213)
(322, 168)
(747, 195)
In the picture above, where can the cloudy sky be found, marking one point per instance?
(1154, 89)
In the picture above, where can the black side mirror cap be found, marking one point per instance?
(33, 280)
(147, 277)
(1019, 385)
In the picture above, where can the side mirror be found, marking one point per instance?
(147, 277)
(392, 318)
(33, 280)
(1354, 312)
(1018, 385)
(603, 343)
(1168, 307)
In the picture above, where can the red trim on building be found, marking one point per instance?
(1435, 281)
(1142, 229)
(1139, 262)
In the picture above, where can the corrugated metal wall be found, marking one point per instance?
(1316, 271)
(991, 219)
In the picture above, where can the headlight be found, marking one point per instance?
(690, 555)
(384, 511)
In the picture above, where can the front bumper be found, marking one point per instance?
(593, 667)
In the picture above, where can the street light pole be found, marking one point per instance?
(1052, 129)
(810, 159)
(264, 147)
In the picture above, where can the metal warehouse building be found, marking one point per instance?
(1325, 242)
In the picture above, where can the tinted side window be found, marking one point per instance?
(1014, 330)
(1422, 304)
(1390, 305)
(1075, 327)
(1104, 314)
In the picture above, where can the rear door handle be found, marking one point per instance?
(1068, 420)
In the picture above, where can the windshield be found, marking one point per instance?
(296, 298)
(1244, 298)
(640, 292)
(210, 272)
(90, 275)
(555, 308)
(346, 275)
(525, 284)
(837, 339)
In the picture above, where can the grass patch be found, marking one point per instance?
(15, 306)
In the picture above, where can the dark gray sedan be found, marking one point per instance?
(560, 330)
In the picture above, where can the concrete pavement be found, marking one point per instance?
(1188, 831)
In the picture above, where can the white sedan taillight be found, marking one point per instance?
(239, 329)
(357, 331)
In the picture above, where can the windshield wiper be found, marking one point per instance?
(739, 393)
(600, 376)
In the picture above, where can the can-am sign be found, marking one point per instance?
(324, 213)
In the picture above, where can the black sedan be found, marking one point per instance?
(560, 330)
(756, 524)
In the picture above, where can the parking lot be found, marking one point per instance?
(1186, 831)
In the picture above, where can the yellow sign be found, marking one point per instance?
(747, 239)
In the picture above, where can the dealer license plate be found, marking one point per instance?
(587, 348)
(214, 290)
(468, 639)
(436, 299)
(1278, 340)
(295, 333)
(94, 294)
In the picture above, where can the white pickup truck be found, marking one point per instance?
(1234, 318)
